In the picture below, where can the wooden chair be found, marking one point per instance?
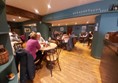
(53, 59)
(17, 46)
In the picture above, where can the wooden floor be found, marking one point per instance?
(77, 67)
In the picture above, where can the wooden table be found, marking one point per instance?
(50, 47)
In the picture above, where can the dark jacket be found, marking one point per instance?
(70, 44)
(27, 67)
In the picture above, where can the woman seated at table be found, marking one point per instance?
(32, 46)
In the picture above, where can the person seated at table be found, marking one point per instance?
(83, 37)
(65, 39)
(40, 38)
(14, 36)
(32, 46)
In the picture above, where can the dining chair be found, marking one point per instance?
(53, 59)
(17, 46)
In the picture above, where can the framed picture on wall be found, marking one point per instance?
(27, 30)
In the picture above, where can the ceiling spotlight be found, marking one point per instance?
(58, 24)
(19, 17)
(14, 19)
(49, 6)
(75, 23)
(87, 22)
(36, 11)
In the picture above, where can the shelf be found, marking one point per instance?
(15, 80)
(4, 66)
(4, 32)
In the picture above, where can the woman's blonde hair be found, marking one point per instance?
(33, 35)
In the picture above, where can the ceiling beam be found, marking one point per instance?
(23, 13)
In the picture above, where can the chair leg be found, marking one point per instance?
(51, 72)
(50, 67)
(59, 64)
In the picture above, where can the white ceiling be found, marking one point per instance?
(17, 18)
(41, 6)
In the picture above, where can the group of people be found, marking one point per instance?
(30, 56)
(86, 37)
(33, 46)
(65, 41)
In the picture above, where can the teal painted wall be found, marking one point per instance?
(78, 28)
(5, 40)
(4, 30)
(57, 28)
(107, 22)
(43, 28)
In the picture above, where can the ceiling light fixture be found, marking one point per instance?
(58, 24)
(19, 17)
(87, 22)
(75, 23)
(14, 19)
(49, 6)
(36, 11)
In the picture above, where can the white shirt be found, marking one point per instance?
(41, 40)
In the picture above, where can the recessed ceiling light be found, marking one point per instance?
(19, 17)
(14, 19)
(58, 24)
(87, 22)
(49, 6)
(36, 11)
(75, 23)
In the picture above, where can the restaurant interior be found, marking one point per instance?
(62, 41)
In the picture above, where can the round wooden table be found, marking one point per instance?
(49, 47)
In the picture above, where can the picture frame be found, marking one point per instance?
(27, 30)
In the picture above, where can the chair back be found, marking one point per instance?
(53, 58)
(52, 55)
(17, 46)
